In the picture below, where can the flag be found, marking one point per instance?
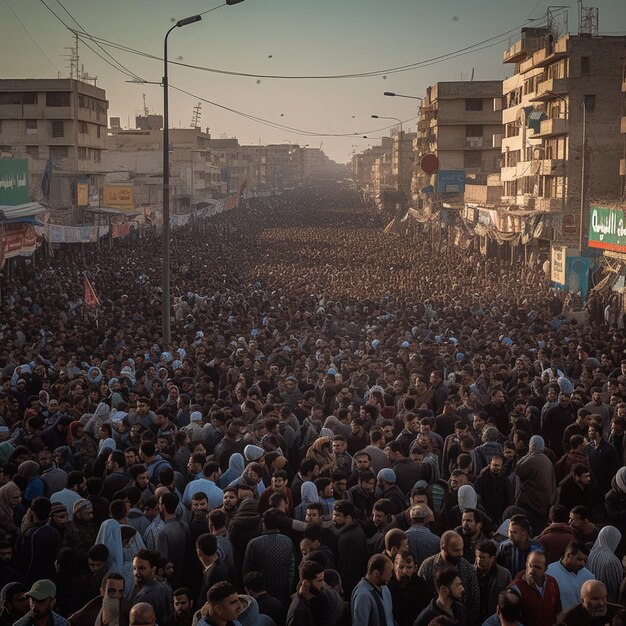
(243, 185)
(45, 180)
(90, 298)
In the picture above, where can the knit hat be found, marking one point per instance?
(387, 474)
(253, 453)
(58, 507)
(196, 416)
(291, 379)
(620, 479)
(81, 505)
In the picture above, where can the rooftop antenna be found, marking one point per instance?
(588, 20)
(196, 116)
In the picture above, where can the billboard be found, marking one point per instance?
(119, 197)
(450, 181)
(13, 181)
(607, 229)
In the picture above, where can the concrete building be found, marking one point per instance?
(62, 120)
(136, 156)
(561, 112)
(365, 169)
(622, 163)
(458, 123)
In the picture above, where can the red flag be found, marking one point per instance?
(243, 185)
(90, 297)
(231, 202)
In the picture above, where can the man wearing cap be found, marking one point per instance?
(291, 395)
(42, 597)
(58, 518)
(389, 490)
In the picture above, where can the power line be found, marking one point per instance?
(96, 43)
(77, 33)
(17, 17)
(481, 45)
(284, 127)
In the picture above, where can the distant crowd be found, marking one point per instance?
(349, 427)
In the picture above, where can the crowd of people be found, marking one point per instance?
(349, 427)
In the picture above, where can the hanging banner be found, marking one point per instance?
(17, 240)
(13, 181)
(558, 257)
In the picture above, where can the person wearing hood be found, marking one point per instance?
(14, 603)
(488, 449)
(81, 532)
(536, 483)
(35, 487)
(235, 469)
(604, 564)
(615, 505)
(10, 497)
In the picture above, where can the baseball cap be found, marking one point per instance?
(42, 589)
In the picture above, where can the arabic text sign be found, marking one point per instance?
(13, 181)
(119, 196)
(557, 264)
(607, 229)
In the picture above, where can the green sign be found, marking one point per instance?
(13, 181)
(607, 229)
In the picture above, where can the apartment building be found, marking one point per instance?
(136, 156)
(458, 123)
(561, 115)
(62, 120)
(365, 168)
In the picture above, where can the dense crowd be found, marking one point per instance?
(349, 427)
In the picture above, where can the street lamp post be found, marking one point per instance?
(400, 135)
(167, 331)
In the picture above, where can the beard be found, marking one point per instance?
(110, 613)
(453, 560)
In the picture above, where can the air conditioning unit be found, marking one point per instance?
(498, 103)
(497, 141)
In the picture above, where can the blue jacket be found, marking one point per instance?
(365, 608)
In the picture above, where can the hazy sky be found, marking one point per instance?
(281, 37)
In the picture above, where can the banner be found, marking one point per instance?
(57, 233)
(120, 230)
(119, 197)
(558, 258)
(13, 181)
(17, 240)
(90, 298)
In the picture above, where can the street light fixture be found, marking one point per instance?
(399, 95)
(167, 331)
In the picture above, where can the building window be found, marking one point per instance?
(82, 153)
(32, 151)
(58, 129)
(58, 99)
(31, 127)
(474, 130)
(590, 103)
(98, 129)
(473, 104)
(471, 159)
(585, 66)
(97, 156)
(18, 98)
(6, 148)
(83, 128)
(59, 152)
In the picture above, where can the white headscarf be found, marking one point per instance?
(604, 564)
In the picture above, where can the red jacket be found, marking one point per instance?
(538, 610)
(554, 540)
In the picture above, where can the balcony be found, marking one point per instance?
(554, 127)
(524, 168)
(549, 204)
(549, 167)
(515, 53)
(547, 89)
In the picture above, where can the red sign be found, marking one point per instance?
(429, 163)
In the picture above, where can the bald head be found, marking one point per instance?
(142, 614)
(594, 598)
(159, 491)
(451, 547)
